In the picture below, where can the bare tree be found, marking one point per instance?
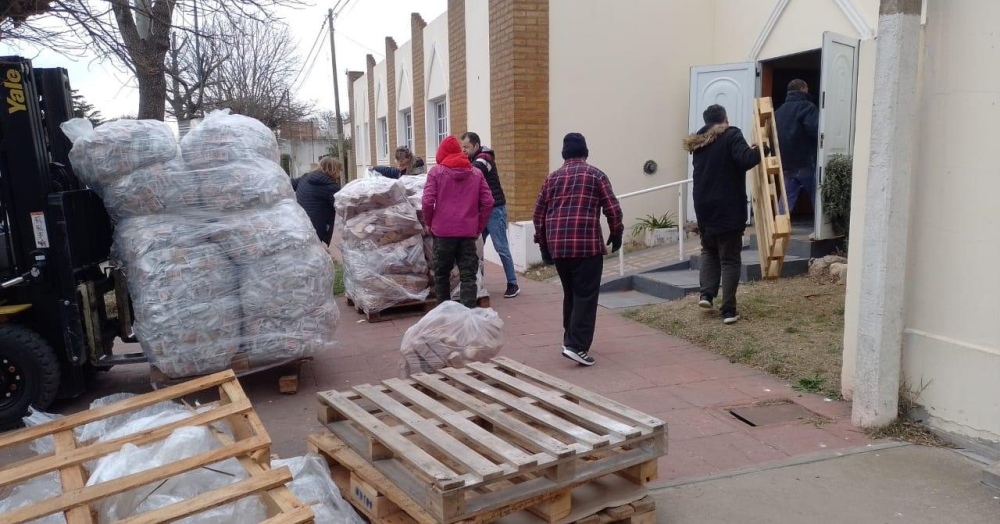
(192, 69)
(133, 33)
(255, 79)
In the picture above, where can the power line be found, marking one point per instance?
(319, 37)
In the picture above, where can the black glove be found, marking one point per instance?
(615, 241)
(547, 257)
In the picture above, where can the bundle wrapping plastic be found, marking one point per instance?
(451, 335)
(222, 262)
(313, 484)
(383, 248)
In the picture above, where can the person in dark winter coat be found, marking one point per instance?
(721, 161)
(484, 159)
(406, 163)
(797, 122)
(315, 193)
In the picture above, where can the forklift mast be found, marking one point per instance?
(55, 233)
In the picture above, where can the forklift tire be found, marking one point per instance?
(29, 373)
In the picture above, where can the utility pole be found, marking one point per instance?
(336, 100)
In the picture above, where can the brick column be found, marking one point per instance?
(519, 96)
(458, 99)
(417, 26)
(390, 84)
(355, 119)
(372, 121)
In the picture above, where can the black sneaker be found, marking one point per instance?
(512, 291)
(705, 302)
(730, 317)
(580, 357)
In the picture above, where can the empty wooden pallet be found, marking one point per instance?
(770, 201)
(250, 446)
(476, 444)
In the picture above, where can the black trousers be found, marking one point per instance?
(447, 253)
(581, 283)
(721, 263)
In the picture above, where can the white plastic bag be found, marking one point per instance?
(451, 335)
(313, 485)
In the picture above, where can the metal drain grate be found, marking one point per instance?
(772, 414)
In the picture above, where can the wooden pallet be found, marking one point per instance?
(479, 443)
(250, 447)
(407, 309)
(770, 201)
(288, 381)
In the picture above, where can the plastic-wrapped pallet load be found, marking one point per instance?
(451, 335)
(222, 262)
(383, 250)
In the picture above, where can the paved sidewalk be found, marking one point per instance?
(902, 483)
(667, 377)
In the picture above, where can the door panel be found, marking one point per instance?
(838, 99)
(732, 86)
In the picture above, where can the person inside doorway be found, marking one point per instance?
(797, 121)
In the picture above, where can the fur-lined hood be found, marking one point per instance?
(704, 137)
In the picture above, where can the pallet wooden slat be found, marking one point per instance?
(440, 474)
(512, 454)
(580, 434)
(769, 199)
(429, 430)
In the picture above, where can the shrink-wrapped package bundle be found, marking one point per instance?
(101, 156)
(383, 247)
(451, 335)
(222, 262)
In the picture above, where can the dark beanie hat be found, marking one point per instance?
(574, 146)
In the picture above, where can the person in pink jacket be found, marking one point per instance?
(457, 204)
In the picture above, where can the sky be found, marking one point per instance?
(360, 30)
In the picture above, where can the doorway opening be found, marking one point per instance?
(775, 74)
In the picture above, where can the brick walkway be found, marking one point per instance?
(669, 378)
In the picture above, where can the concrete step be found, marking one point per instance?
(669, 285)
(628, 299)
(793, 265)
(991, 476)
(801, 246)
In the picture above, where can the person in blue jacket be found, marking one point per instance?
(315, 192)
(797, 121)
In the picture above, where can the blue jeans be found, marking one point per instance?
(799, 182)
(497, 227)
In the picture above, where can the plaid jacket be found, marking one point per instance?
(568, 211)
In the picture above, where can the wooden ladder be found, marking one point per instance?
(771, 217)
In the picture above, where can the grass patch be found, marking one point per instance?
(338, 279)
(792, 328)
(541, 272)
(904, 428)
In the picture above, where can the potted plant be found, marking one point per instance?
(836, 191)
(657, 230)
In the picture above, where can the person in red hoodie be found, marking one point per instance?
(457, 203)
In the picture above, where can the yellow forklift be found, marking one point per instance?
(62, 303)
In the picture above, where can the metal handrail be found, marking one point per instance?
(680, 217)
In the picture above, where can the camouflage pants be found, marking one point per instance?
(447, 253)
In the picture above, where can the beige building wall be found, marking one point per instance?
(404, 90)
(436, 66)
(381, 112)
(621, 77)
(951, 346)
(359, 118)
(477, 55)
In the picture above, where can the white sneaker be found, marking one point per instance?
(580, 357)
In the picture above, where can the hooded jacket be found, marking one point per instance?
(457, 201)
(315, 192)
(721, 160)
(485, 162)
(797, 122)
